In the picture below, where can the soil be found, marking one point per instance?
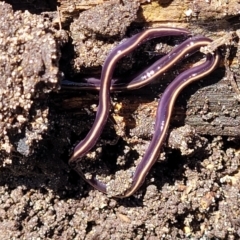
(191, 192)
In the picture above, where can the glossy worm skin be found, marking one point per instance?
(117, 53)
(164, 112)
(143, 78)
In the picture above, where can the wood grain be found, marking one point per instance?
(210, 105)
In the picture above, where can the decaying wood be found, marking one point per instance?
(213, 109)
(211, 105)
(184, 197)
